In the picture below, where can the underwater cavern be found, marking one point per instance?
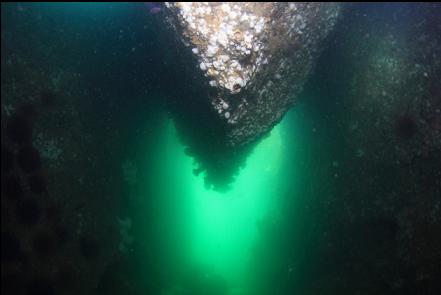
(220, 148)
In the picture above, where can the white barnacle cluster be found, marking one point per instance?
(227, 40)
(220, 105)
(293, 19)
(223, 108)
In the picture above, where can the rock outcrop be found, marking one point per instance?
(255, 56)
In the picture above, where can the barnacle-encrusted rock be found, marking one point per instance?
(256, 56)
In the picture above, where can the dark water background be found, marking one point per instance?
(91, 89)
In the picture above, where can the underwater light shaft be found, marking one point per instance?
(218, 230)
(225, 224)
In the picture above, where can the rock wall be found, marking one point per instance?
(256, 56)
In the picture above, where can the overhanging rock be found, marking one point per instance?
(255, 57)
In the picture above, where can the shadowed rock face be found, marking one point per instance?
(251, 59)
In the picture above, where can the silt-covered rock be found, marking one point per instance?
(255, 57)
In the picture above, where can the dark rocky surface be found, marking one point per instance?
(373, 215)
(256, 57)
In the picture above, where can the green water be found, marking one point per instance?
(218, 236)
(341, 197)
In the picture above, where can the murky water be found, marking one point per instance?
(105, 190)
